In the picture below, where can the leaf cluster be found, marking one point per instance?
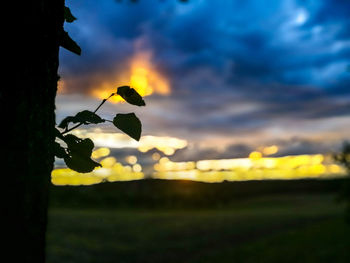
(77, 152)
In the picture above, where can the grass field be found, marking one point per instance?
(266, 228)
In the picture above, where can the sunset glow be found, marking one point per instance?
(255, 167)
(216, 110)
(141, 75)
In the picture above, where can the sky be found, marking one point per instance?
(227, 76)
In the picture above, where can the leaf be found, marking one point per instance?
(85, 117)
(59, 151)
(68, 17)
(79, 146)
(79, 154)
(65, 122)
(68, 43)
(88, 117)
(81, 164)
(129, 124)
(131, 96)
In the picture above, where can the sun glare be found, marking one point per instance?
(141, 75)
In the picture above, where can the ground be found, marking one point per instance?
(277, 228)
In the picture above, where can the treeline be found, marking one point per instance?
(182, 194)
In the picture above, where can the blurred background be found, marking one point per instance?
(246, 104)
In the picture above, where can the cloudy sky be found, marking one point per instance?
(239, 74)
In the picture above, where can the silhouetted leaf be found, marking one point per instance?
(131, 96)
(68, 43)
(79, 146)
(68, 17)
(81, 164)
(88, 117)
(59, 151)
(79, 154)
(85, 117)
(71, 139)
(65, 122)
(129, 124)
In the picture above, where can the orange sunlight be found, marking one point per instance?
(141, 75)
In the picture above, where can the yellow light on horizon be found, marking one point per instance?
(255, 155)
(108, 162)
(255, 167)
(242, 169)
(111, 171)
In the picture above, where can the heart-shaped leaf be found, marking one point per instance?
(81, 164)
(88, 117)
(129, 124)
(78, 157)
(79, 146)
(85, 117)
(131, 96)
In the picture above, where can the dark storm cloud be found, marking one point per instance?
(234, 66)
(252, 41)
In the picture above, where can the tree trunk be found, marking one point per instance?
(28, 102)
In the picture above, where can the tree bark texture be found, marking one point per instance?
(28, 103)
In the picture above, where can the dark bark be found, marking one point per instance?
(28, 104)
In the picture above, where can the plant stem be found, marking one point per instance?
(74, 127)
(98, 107)
(103, 101)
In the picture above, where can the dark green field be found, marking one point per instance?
(297, 221)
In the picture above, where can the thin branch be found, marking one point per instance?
(98, 107)
(72, 128)
(103, 101)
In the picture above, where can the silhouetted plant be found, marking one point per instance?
(343, 158)
(76, 152)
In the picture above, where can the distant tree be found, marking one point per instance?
(344, 159)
